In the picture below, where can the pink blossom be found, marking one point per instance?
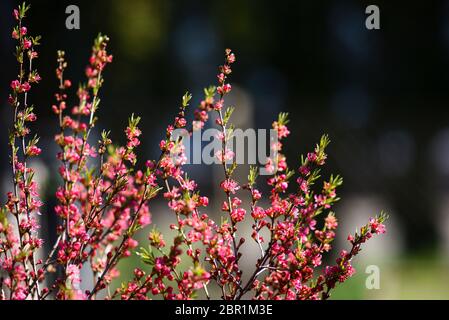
(15, 34)
(331, 222)
(230, 186)
(377, 227)
(25, 87)
(238, 214)
(33, 151)
(73, 274)
(27, 44)
(15, 85)
(105, 196)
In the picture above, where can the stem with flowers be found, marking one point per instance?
(105, 195)
(23, 203)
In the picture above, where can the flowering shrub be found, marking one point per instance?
(104, 198)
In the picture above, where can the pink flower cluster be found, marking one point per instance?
(104, 200)
(19, 224)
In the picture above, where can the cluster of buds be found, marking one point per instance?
(19, 240)
(104, 200)
(289, 258)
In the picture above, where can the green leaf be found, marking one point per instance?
(147, 256)
(283, 118)
(209, 92)
(228, 113)
(252, 176)
(186, 99)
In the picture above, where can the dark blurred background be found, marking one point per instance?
(381, 95)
